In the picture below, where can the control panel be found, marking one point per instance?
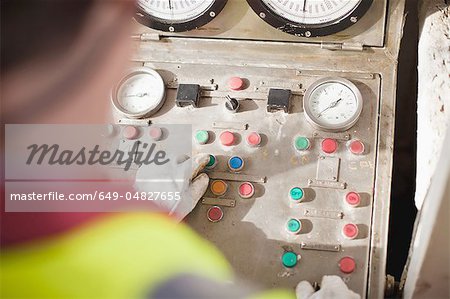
(291, 163)
(299, 137)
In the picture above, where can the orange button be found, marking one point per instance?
(219, 187)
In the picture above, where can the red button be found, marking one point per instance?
(350, 231)
(156, 133)
(353, 199)
(227, 138)
(356, 147)
(347, 265)
(130, 132)
(246, 190)
(329, 145)
(253, 139)
(236, 83)
(215, 214)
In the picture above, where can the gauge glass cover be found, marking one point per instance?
(140, 93)
(333, 104)
(310, 18)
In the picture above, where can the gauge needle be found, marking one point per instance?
(140, 95)
(332, 105)
(171, 7)
(304, 6)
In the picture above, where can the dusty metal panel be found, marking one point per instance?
(252, 234)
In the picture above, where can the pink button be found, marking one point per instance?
(356, 147)
(347, 265)
(235, 83)
(227, 138)
(130, 132)
(215, 214)
(246, 190)
(253, 139)
(350, 231)
(329, 145)
(156, 133)
(353, 199)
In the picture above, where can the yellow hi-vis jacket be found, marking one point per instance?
(117, 256)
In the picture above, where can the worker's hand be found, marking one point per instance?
(331, 287)
(191, 188)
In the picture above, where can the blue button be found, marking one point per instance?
(236, 163)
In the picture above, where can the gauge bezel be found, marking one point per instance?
(163, 25)
(308, 30)
(332, 128)
(133, 72)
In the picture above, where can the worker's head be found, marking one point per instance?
(60, 58)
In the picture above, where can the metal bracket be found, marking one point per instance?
(320, 247)
(342, 46)
(219, 202)
(236, 177)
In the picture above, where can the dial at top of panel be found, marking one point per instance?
(177, 15)
(310, 18)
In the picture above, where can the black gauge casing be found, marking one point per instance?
(163, 25)
(307, 30)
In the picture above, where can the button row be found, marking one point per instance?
(329, 145)
(290, 259)
(228, 138)
(132, 132)
(235, 163)
(297, 195)
(349, 231)
(220, 187)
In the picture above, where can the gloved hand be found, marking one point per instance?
(191, 187)
(331, 287)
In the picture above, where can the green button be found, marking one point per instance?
(202, 136)
(294, 225)
(289, 259)
(301, 143)
(296, 193)
(212, 161)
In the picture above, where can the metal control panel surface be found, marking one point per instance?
(252, 231)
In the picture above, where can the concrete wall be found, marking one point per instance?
(427, 272)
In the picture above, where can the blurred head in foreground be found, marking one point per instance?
(60, 58)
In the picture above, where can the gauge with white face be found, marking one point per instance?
(310, 18)
(139, 94)
(177, 15)
(333, 104)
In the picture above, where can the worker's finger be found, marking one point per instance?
(304, 290)
(198, 187)
(198, 164)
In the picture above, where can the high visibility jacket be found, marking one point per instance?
(116, 256)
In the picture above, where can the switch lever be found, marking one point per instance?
(231, 105)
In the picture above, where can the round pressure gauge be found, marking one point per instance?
(140, 93)
(332, 104)
(310, 18)
(177, 15)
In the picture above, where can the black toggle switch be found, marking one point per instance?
(232, 105)
(188, 95)
(279, 99)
